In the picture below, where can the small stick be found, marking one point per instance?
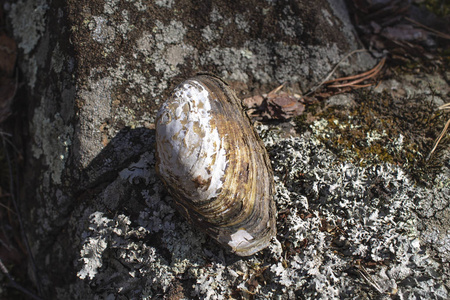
(365, 74)
(438, 140)
(19, 217)
(334, 70)
(15, 285)
(438, 33)
(359, 86)
(274, 91)
(363, 272)
(359, 78)
(446, 106)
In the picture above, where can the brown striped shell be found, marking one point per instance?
(215, 165)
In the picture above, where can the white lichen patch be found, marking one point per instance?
(209, 33)
(377, 226)
(28, 22)
(344, 230)
(164, 3)
(110, 6)
(291, 26)
(141, 5)
(165, 50)
(210, 287)
(93, 248)
(374, 136)
(101, 31)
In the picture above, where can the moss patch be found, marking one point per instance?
(380, 128)
(439, 7)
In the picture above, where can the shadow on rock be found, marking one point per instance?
(126, 147)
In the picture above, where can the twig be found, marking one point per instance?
(358, 78)
(312, 90)
(442, 107)
(438, 33)
(15, 285)
(19, 218)
(3, 134)
(445, 106)
(359, 75)
(438, 140)
(359, 86)
(274, 91)
(6, 207)
(364, 274)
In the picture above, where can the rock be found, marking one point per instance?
(98, 220)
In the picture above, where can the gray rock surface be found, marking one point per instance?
(99, 220)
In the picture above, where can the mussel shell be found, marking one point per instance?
(215, 165)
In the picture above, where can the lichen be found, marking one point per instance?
(101, 32)
(164, 3)
(352, 222)
(364, 214)
(343, 229)
(379, 128)
(52, 142)
(137, 56)
(28, 22)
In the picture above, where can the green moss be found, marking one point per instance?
(380, 129)
(440, 8)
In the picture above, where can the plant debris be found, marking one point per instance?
(276, 105)
(408, 32)
(279, 105)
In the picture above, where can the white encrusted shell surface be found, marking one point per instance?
(191, 144)
(214, 164)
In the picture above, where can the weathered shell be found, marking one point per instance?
(215, 165)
